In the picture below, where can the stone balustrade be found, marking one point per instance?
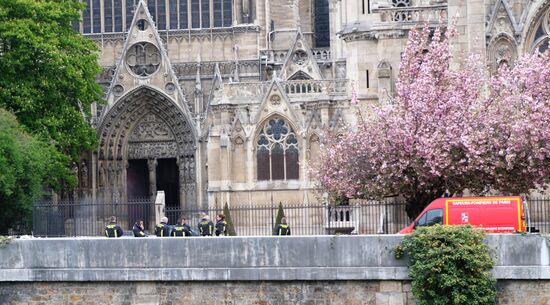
(414, 15)
(279, 56)
(328, 87)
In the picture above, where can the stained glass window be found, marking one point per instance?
(183, 15)
(277, 151)
(118, 15)
(86, 21)
(161, 14)
(129, 12)
(227, 12)
(96, 10)
(195, 14)
(108, 16)
(173, 14)
(322, 30)
(205, 12)
(218, 21)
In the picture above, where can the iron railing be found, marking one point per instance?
(308, 219)
(539, 212)
(82, 218)
(360, 217)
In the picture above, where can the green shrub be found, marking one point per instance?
(230, 228)
(450, 265)
(280, 214)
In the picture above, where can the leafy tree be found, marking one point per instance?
(27, 164)
(48, 71)
(447, 130)
(230, 228)
(450, 265)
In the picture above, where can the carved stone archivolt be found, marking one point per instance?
(144, 124)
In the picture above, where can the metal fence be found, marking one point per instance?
(539, 212)
(361, 217)
(82, 218)
(308, 219)
(89, 219)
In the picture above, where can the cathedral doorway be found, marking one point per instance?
(147, 144)
(168, 181)
(137, 179)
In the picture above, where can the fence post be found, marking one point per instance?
(159, 206)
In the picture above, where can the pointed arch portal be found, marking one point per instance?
(147, 143)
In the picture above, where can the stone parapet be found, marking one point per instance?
(311, 258)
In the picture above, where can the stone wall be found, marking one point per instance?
(510, 292)
(235, 293)
(244, 270)
(314, 258)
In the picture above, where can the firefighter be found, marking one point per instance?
(138, 229)
(282, 229)
(220, 225)
(162, 229)
(113, 229)
(182, 228)
(206, 226)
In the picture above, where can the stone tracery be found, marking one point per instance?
(541, 36)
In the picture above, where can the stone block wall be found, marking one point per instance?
(234, 293)
(245, 270)
(510, 292)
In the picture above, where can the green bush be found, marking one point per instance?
(230, 228)
(280, 214)
(450, 265)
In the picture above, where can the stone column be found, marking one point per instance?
(182, 171)
(152, 166)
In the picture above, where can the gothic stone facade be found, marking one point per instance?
(218, 101)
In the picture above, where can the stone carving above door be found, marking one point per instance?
(151, 128)
(152, 150)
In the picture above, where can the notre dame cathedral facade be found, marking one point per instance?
(218, 101)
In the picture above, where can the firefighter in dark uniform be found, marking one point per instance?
(220, 225)
(282, 229)
(138, 229)
(113, 229)
(206, 226)
(162, 229)
(182, 228)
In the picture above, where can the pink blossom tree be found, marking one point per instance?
(446, 130)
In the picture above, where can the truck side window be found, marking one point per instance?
(422, 221)
(431, 218)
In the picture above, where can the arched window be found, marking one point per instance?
(277, 151)
(541, 37)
